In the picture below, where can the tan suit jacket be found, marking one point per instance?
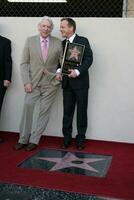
(32, 64)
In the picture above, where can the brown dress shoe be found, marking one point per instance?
(31, 147)
(1, 140)
(19, 146)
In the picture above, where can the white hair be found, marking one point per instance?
(47, 18)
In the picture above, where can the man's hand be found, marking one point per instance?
(6, 83)
(58, 77)
(28, 88)
(72, 73)
(45, 71)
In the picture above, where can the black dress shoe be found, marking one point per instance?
(65, 145)
(31, 146)
(19, 146)
(1, 140)
(80, 146)
(66, 142)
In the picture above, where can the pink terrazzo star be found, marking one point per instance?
(70, 160)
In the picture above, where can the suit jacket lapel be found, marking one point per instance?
(76, 38)
(50, 47)
(39, 48)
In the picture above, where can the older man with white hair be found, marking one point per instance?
(40, 58)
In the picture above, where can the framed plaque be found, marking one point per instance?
(72, 57)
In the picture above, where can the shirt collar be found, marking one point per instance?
(72, 38)
(42, 39)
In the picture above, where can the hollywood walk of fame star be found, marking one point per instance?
(70, 160)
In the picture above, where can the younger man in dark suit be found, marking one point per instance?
(75, 87)
(5, 68)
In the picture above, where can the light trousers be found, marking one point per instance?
(45, 95)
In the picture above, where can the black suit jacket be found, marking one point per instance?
(82, 81)
(5, 59)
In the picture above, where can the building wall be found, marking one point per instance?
(111, 96)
